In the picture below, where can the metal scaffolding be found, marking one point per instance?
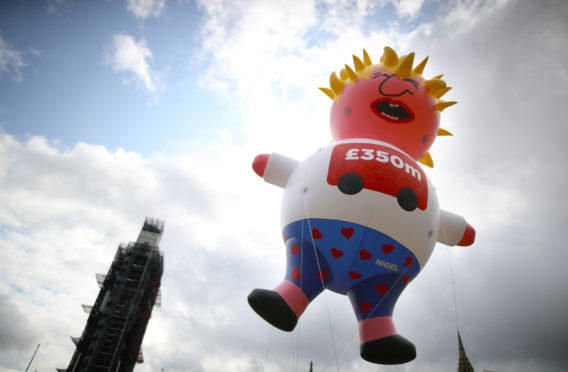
(118, 319)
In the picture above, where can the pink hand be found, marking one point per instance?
(468, 236)
(259, 164)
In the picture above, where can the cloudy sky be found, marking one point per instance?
(111, 111)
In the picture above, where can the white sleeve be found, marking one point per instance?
(278, 169)
(452, 228)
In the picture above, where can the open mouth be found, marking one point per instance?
(392, 111)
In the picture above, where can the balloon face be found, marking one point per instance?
(388, 108)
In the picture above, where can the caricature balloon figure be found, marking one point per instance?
(360, 217)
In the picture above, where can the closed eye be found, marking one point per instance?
(413, 82)
(379, 74)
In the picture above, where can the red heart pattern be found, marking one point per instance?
(387, 248)
(295, 249)
(354, 275)
(365, 306)
(382, 289)
(365, 255)
(296, 273)
(336, 253)
(316, 234)
(347, 232)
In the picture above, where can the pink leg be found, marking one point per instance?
(376, 328)
(381, 344)
(294, 297)
(281, 307)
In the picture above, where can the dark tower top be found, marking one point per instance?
(463, 362)
(118, 319)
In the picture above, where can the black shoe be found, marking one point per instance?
(393, 349)
(272, 308)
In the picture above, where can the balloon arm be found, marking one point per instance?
(454, 230)
(274, 168)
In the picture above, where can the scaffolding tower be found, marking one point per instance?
(463, 362)
(118, 319)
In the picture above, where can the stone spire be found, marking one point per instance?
(463, 363)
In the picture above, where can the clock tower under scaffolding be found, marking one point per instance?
(118, 319)
(463, 362)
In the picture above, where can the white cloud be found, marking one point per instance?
(260, 55)
(64, 210)
(11, 61)
(144, 9)
(125, 54)
(16, 330)
(408, 8)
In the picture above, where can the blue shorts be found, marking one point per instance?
(347, 258)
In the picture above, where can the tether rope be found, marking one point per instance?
(454, 295)
(354, 329)
(267, 349)
(306, 211)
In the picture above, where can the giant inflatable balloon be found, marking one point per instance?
(360, 216)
